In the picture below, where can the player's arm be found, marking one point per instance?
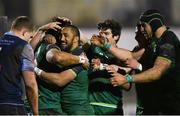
(59, 79)
(40, 31)
(27, 67)
(119, 53)
(161, 65)
(31, 90)
(121, 70)
(56, 56)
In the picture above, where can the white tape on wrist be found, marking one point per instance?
(37, 71)
(82, 59)
(102, 66)
(139, 67)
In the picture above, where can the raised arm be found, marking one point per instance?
(119, 53)
(39, 33)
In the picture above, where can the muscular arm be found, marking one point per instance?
(31, 90)
(160, 66)
(120, 53)
(137, 55)
(59, 79)
(62, 58)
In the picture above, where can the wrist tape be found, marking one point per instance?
(37, 71)
(139, 67)
(106, 46)
(82, 59)
(129, 78)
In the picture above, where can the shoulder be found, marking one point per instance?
(28, 51)
(168, 37)
(77, 51)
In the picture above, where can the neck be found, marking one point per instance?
(160, 31)
(75, 45)
(18, 34)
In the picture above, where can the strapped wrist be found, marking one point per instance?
(106, 46)
(102, 66)
(139, 67)
(82, 59)
(37, 71)
(129, 78)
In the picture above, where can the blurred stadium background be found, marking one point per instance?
(87, 13)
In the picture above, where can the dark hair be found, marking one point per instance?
(62, 22)
(74, 30)
(54, 33)
(111, 24)
(22, 22)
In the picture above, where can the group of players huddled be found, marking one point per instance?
(80, 76)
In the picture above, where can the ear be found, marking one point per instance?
(76, 39)
(116, 38)
(23, 31)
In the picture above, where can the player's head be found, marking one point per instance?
(139, 37)
(70, 37)
(151, 20)
(110, 29)
(23, 26)
(53, 35)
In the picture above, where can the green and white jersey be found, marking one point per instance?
(104, 98)
(49, 94)
(74, 96)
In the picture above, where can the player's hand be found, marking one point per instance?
(53, 25)
(117, 79)
(84, 60)
(38, 71)
(112, 67)
(97, 40)
(132, 63)
(65, 20)
(95, 63)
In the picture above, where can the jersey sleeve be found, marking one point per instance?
(167, 48)
(27, 58)
(52, 46)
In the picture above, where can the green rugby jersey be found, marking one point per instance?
(74, 97)
(49, 94)
(104, 98)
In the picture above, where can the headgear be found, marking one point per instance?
(153, 18)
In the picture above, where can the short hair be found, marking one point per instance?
(22, 22)
(111, 24)
(74, 30)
